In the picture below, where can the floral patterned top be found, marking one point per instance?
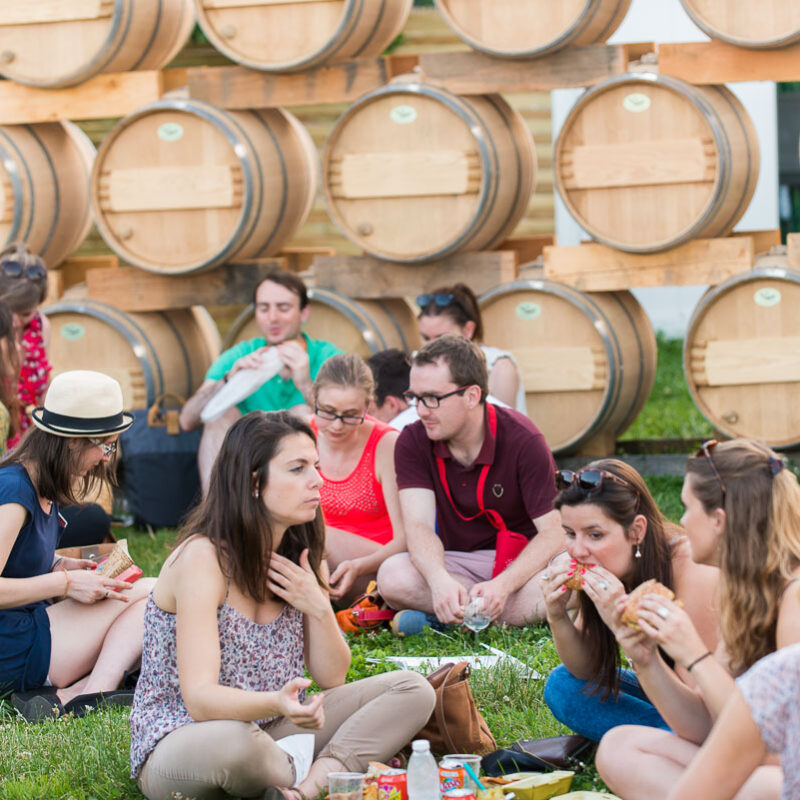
(34, 373)
(260, 658)
(771, 687)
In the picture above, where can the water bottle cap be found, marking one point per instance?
(420, 745)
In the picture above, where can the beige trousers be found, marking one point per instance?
(369, 720)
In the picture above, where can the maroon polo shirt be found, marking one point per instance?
(520, 484)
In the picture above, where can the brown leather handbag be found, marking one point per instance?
(456, 725)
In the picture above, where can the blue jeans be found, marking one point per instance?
(589, 714)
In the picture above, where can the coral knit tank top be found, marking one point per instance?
(355, 504)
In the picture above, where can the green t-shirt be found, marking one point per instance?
(276, 393)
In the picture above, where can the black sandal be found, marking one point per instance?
(37, 705)
(83, 703)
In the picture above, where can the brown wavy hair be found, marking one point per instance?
(345, 370)
(621, 503)
(9, 370)
(760, 546)
(236, 520)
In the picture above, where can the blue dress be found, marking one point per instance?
(25, 630)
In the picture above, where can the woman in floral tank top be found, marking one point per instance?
(239, 613)
(360, 502)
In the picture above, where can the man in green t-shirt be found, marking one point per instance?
(281, 307)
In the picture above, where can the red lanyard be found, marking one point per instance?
(493, 515)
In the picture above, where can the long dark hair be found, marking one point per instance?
(621, 503)
(54, 462)
(463, 308)
(9, 369)
(236, 520)
(760, 546)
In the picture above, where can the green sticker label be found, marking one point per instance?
(528, 310)
(767, 297)
(170, 131)
(636, 102)
(403, 115)
(72, 331)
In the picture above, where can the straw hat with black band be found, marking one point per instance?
(84, 404)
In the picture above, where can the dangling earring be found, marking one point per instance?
(638, 553)
(256, 493)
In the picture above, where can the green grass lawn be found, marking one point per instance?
(88, 758)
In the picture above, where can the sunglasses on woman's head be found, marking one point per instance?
(590, 480)
(441, 300)
(16, 269)
(705, 450)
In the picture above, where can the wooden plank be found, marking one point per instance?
(763, 241)
(369, 278)
(241, 88)
(132, 289)
(593, 267)
(55, 286)
(104, 96)
(528, 248)
(36, 13)
(477, 73)
(249, 3)
(73, 270)
(793, 250)
(300, 259)
(719, 62)
(736, 362)
(560, 369)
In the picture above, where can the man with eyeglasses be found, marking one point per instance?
(281, 308)
(477, 484)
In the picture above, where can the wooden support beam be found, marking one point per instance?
(528, 248)
(98, 98)
(132, 289)
(370, 278)
(719, 62)
(242, 88)
(793, 250)
(593, 267)
(73, 270)
(477, 73)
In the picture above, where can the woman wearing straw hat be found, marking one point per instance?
(82, 645)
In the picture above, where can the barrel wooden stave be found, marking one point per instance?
(230, 185)
(364, 327)
(587, 360)
(67, 44)
(149, 353)
(412, 173)
(286, 37)
(647, 162)
(742, 354)
(44, 173)
(509, 29)
(762, 24)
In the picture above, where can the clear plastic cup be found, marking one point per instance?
(346, 785)
(474, 762)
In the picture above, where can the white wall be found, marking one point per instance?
(666, 21)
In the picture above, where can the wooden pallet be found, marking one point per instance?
(593, 267)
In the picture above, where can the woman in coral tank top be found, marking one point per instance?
(360, 502)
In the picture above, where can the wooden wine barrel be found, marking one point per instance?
(747, 23)
(510, 29)
(588, 361)
(413, 173)
(645, 162)
(181, 186)
(149, 352)
(281, 36)
(365, 326)
(44, 173)
(742, 353)
(59, 43)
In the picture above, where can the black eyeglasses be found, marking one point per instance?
(441, 300)
(16, 269)
(347, 419)
(431, 400)
(108, 448)
(590, 480)
(705, 450)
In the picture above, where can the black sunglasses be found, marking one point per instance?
(16, 269)
(705, 450)
(441, 300)
(590, 480)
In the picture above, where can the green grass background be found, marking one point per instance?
(87, 758)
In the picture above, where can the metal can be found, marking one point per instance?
(452, 775)
(393, 785)
(459, 794)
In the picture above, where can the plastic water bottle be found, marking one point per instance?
(423, 773)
